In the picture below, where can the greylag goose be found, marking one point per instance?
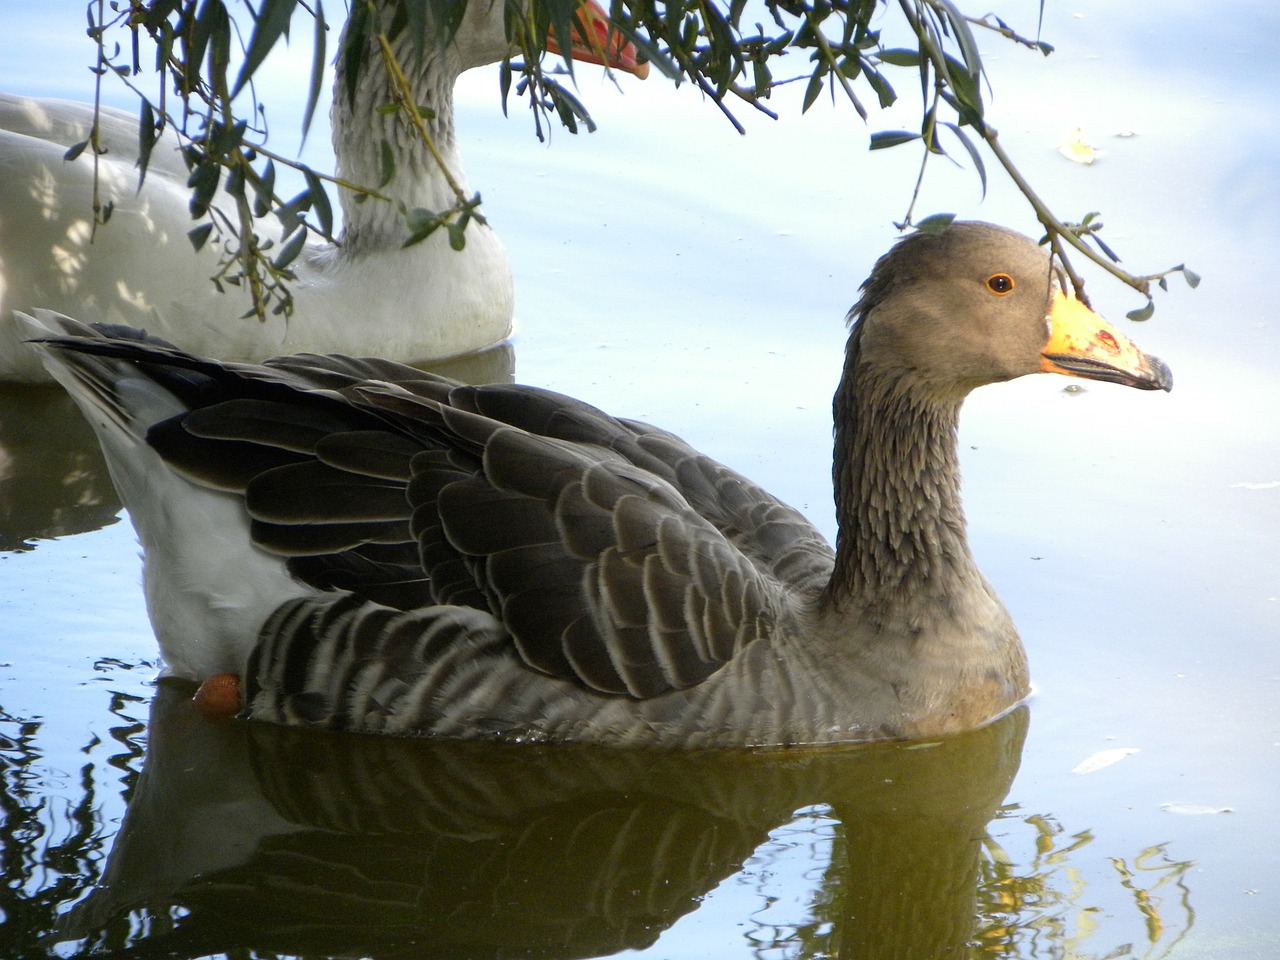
(378, 549)
(366, 294)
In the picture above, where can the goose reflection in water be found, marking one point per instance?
(252, 837)
(53, 480)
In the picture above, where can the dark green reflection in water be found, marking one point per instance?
(248, 839)
(53, 480)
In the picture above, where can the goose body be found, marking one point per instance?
(366, 294)
(378, 549)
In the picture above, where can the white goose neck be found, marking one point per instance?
(361, 125)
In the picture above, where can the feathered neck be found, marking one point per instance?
(362, 123)
(901, 530)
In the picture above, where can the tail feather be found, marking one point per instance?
(198, 553)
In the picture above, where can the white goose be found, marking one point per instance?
(364, 295)
(378, 549)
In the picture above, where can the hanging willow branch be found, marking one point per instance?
(838, 46)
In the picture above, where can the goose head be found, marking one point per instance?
(981, 304)
(939, 316)
(366, 134)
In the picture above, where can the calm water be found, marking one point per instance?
(670, 270)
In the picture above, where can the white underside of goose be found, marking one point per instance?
(207, 586)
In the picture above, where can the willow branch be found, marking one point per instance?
(1059, 231)
(401, 91)
(829, 56)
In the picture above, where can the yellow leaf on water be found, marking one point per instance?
(1075, 149)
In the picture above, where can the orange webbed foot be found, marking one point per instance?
(219, 696)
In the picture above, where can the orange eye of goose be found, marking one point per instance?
(1000, 284)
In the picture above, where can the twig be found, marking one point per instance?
(401, 90)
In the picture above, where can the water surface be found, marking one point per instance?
(668, 269)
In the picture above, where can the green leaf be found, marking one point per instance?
(1192, 278)
(937, 224)
(1111, 254)
(1143, 313)
(204, 184)
(319, 201)
(880, 85)
(974, 155)
(421, 223)
(884, 139)
(75, 150)
(457, 236)
(272, 23)
(289, 214)
(561, 18)
(814, 89)
(965, 87)
(651, 53)
(292, 247)
(899, 57)
(234, 183)
(198, 235)
(264, 188)
(504, 83)
(146, 138)
(357, 31)
(316, 87)
(211, 18)
(388, 165)
(569, 108)
(964, 38)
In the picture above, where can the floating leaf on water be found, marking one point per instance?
(1103, 758)
(1075, 149)
(1192, 809)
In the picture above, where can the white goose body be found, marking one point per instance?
(365, 295)
(378, 549)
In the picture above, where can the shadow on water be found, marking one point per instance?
(250, 837)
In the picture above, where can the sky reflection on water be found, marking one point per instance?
(1132, 536)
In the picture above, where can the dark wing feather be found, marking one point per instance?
(614, 556)
(633, 591)
(776, 537)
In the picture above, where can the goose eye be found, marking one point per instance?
(1000, 284)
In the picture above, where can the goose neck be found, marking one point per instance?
(901, 542)
(362, 124)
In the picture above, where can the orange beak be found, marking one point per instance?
(1083, 344)
(601, 44)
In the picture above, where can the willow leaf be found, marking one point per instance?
(272, 24)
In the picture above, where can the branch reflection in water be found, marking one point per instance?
(249, 837)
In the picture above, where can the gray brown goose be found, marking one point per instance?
(378, 549)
